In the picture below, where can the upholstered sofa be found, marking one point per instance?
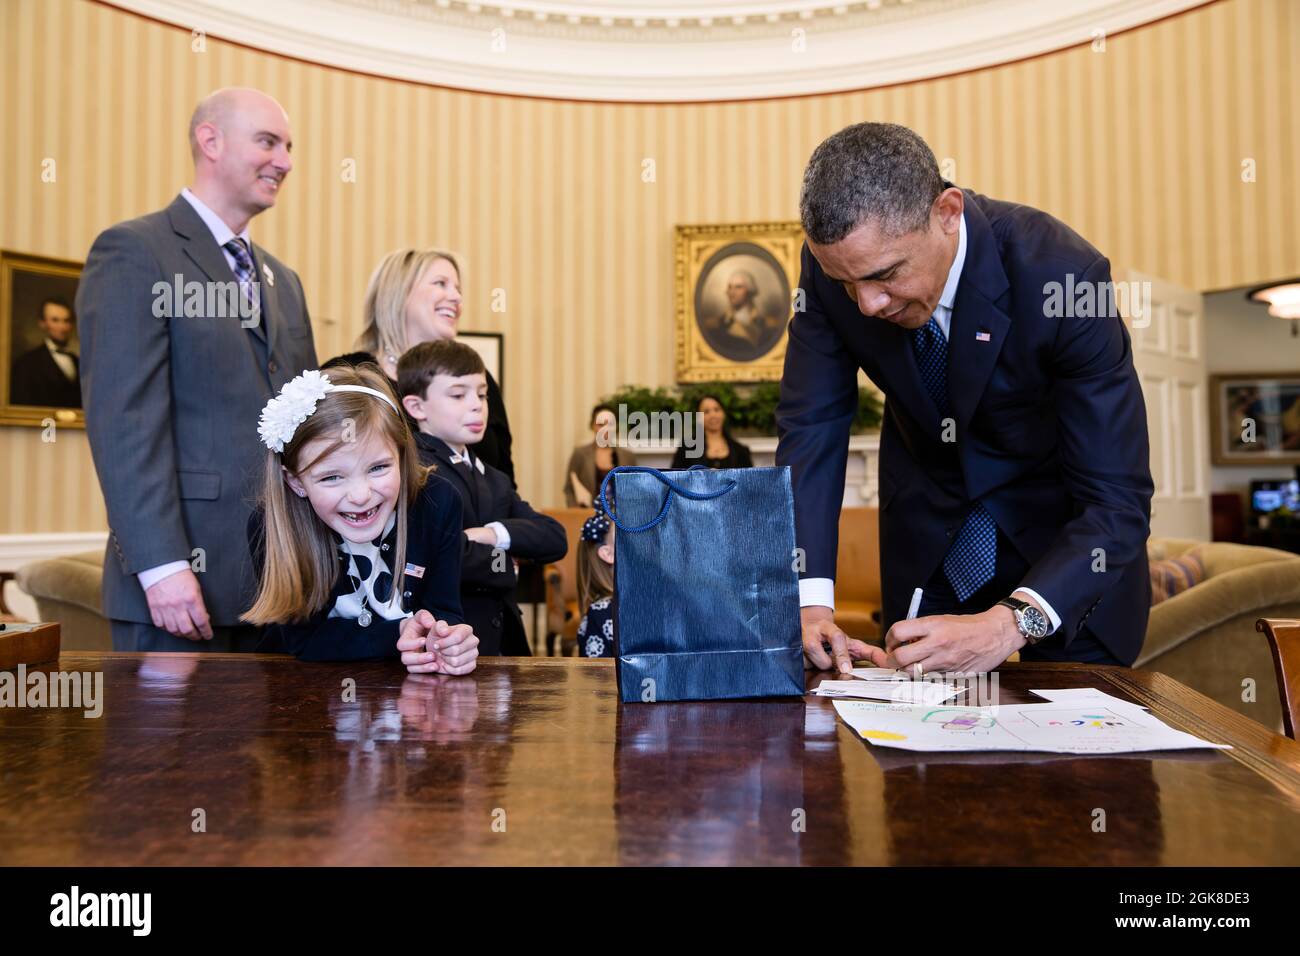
(67, 590)
(1205, 636)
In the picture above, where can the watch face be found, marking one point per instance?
(1034, 622)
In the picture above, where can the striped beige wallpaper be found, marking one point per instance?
(1139, 147)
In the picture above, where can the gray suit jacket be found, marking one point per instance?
(172, 397)
(583, 464)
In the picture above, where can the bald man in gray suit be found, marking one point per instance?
(187, 328)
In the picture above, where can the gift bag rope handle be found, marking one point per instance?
(668, 498)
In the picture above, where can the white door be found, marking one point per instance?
(1167, 323)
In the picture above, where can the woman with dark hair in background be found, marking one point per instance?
(720, 450)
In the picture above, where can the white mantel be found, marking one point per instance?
(861, 476)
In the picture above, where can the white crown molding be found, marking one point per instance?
(632, 51)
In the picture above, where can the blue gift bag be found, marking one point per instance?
(706, 596)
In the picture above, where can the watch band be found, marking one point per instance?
(1019, 607)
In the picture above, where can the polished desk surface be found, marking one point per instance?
(536, 762)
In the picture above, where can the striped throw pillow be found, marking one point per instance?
(1175, 575)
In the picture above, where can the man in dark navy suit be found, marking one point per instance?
(1015, 486)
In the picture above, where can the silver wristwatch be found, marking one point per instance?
(1031, 622)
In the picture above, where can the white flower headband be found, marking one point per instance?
(296, 403)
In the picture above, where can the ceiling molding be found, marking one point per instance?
(633, 51)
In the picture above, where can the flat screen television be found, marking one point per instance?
(1269, 496)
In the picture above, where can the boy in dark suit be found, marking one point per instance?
(443, 386)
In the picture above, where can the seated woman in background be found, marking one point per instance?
(720, 449)
(413, 297)
(589, 464)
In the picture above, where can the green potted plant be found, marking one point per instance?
(751, 409)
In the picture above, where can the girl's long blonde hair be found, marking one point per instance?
(300, 563)
(595, 576)
(385, 307)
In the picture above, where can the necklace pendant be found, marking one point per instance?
(364, 618)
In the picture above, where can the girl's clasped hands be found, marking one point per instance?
(430, 646)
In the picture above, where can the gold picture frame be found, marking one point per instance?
(1256, 418)
(734, 285)
(27, 284)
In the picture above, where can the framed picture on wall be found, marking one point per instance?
(40, 371)
(733, 286)
(1256, 419)
(491, 347)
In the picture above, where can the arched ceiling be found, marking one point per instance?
(640, 51)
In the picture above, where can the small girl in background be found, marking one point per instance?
(596, 587)
(356, 546)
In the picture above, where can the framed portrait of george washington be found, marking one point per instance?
(733, 290)
(40, 372)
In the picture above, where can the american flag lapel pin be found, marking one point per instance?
(270, 276)
(982, 336)
(414, 570)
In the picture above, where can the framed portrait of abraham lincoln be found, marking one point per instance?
(40, 373)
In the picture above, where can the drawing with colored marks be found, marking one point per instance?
(951, 718)
(882, 735)
(1101, 725)
(1094, 717)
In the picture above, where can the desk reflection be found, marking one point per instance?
(254, 759)
(715, 782)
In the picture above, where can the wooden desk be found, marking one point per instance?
(417, 770)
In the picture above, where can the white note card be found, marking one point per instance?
(907, 692)
(878, 673)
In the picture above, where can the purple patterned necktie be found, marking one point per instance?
(244, 273)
